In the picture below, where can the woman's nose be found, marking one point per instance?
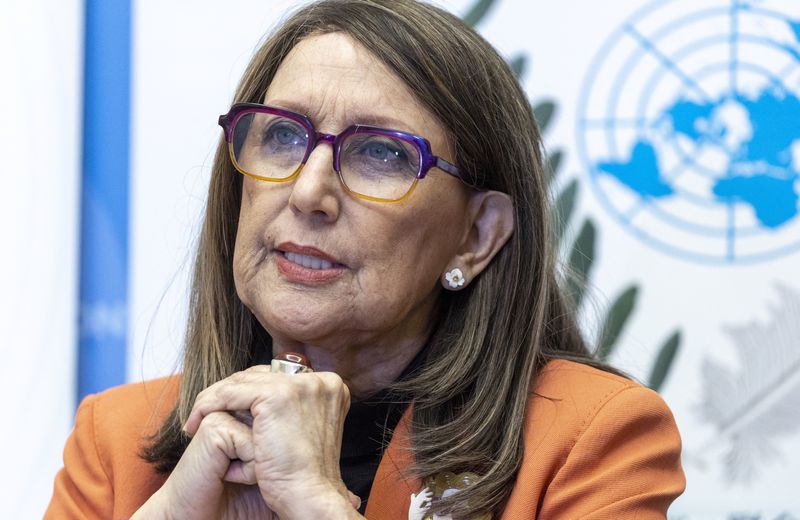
(317, 191)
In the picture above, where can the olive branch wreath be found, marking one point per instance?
(578, 257)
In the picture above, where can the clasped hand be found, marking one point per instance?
(285, 465)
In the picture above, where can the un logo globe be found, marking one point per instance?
(689, 125)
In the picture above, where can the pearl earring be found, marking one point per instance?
(455, 278)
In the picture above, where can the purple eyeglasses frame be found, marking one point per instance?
(427, 159)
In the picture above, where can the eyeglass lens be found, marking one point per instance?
(372, 164)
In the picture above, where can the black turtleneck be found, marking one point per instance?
(368, 429)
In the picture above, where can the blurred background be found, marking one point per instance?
(673, 131)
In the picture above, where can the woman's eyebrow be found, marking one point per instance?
(292, 106)
(351, 116)
(380, 120)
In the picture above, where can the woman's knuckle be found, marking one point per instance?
(201, 396)
(332, 382)
(256, 369)
(210, 422)
(275, 395)
(262, 407)
(236, 377)
(225, 392)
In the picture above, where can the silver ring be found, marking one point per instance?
(281, 366)
(285, 363)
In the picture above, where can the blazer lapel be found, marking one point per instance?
(390, 497)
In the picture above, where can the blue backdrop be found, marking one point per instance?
(104, 196)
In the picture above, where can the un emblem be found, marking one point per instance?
(689, 124)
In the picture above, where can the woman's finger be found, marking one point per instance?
(222, 431)
(259, 369)
(245, 390)
(224, 395)
(195, 485)
(241, 472)
(354, 499)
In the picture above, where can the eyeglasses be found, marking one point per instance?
(273, 144)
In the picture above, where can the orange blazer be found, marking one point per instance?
(596, 446)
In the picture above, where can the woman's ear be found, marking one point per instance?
(491, 218)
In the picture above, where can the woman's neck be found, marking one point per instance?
(365, 371)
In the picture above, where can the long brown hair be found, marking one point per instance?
(490, 340)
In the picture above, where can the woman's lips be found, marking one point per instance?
(306, 264)
(309, 262)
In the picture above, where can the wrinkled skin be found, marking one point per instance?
(360, 329)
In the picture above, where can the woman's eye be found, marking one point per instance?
(382, 151)
(285, 135)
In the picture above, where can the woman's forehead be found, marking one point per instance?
(336, 82)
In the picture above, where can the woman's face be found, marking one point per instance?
(384, 261)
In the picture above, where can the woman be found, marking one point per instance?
(390, 225)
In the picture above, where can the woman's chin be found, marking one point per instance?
(307, 329)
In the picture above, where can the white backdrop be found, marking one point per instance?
(186, 63)
(40, 57)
